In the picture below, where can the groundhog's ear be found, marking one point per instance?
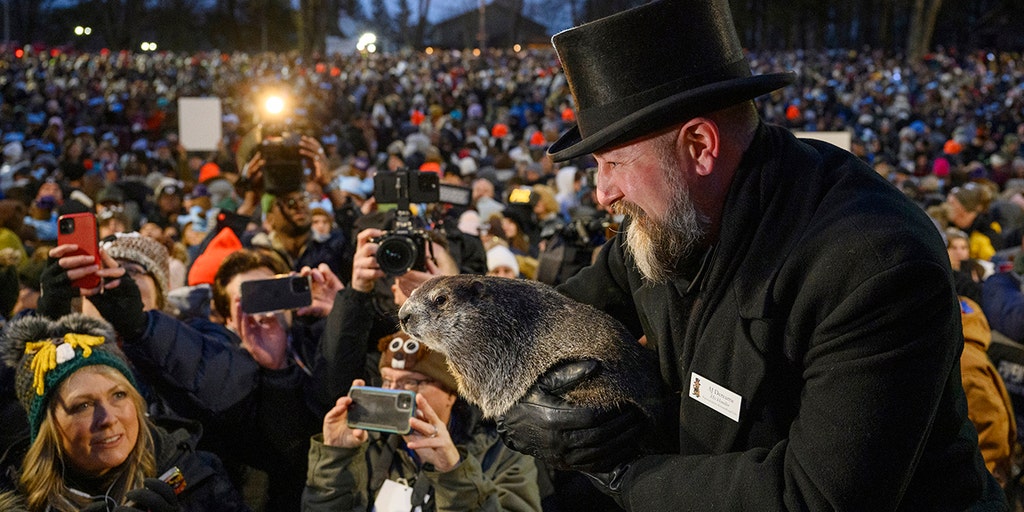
(474, 290)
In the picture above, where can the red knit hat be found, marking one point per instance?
(417, 117)
(208, 171)
(206, 264)
(431, 167)
(537, 139)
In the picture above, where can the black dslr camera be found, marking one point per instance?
(405, 247)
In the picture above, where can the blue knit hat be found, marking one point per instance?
(44, 352)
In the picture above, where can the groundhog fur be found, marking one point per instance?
(500, 335)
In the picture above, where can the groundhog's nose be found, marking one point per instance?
(403, 317)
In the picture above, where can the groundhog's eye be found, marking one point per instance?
(440, 300)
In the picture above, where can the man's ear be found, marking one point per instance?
(701, 141)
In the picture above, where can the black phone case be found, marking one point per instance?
(275, 294)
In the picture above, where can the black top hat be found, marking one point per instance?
(647, 68)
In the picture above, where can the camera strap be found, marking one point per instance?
(386, 463)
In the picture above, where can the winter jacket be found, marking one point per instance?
(1002, 300)
(253, 416)
(206, 484)
(988, 402)
(825, 314)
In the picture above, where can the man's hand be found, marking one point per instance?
(365, 270)
(264, 336)
(336, 431)
(324, 289)
(569, 436)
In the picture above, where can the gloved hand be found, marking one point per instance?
(569, 436)
(610, 482)
(56, 291)
(122, 307)
(156, 496)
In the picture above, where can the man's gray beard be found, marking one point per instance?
(658, 246)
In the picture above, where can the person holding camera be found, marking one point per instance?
(276, 188)
(450, 460)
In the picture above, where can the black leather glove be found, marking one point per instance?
(122, 307)
(568, 436)
(156, 496)
(56, 291)
(610, 482)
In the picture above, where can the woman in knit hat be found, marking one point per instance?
(92, 446)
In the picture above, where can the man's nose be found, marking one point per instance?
(608, 192)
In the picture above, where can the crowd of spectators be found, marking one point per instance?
(99, 133)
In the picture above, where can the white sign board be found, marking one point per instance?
(841, 139)
(199, 127)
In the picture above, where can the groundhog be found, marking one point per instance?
(501, 334)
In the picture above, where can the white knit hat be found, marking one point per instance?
(501, 256)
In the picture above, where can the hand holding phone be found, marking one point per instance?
(80, 229)
(381, 409)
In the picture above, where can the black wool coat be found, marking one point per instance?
(827, 306)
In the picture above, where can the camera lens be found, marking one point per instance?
(396, 255)
(300, 285)
(67, 226)
(404, 401)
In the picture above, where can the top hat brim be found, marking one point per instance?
(667, 112)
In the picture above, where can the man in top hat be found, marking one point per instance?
(801, 308)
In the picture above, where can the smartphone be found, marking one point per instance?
(80, 229)
(381, 409)
(276, 294)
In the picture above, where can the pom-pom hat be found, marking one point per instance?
(648, 68)
(44, 352)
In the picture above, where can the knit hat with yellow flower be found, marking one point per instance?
(44, 352)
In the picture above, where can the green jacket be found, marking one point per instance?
(490, 476)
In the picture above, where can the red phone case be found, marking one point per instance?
(83, 234)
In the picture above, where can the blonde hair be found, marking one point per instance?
(42, 475)
(546, 197)
(955, 234)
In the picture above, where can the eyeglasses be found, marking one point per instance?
(295, 202)
(406, 384)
